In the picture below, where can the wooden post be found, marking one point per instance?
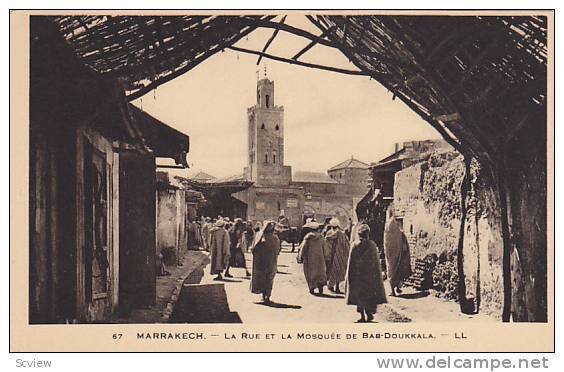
(478, 264)
(464, 188)
(506, 314)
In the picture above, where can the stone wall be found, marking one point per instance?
(171, 221)
(331, 200)
(266, 203)
(427, 202)
(355, 178)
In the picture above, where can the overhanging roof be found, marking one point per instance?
(478, 80)
(350, 163)
(142, 51)
(164, 140)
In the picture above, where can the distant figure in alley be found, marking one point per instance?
(265, 250)
(365, 287)
(206, 226)
(219, 248)
(312, 253)
(236, 240)
(397, 253)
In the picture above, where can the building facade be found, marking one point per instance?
(91, 189)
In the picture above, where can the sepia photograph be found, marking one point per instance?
(286, 168)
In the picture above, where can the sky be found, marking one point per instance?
(328, 117)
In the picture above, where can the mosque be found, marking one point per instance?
(276, 190)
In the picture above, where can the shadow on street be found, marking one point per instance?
(205, 303)
(278, 305)
(413, 296)
(325, 295)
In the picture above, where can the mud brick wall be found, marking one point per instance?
(427, 201)
(171, 221)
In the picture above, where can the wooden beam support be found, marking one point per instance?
(506, 238)
(270, 40)
(304, 50)
(299, 63)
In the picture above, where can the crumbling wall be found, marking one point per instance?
(427, 202)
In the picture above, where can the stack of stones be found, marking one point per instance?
(422, 277)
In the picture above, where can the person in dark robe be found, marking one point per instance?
(248, 236)
(237, 256)
(265, 250)
(338, 245)
(398, 257)
(362, 220)
(348, 230)
(312, 253)
(258, 227)
(306, 229)
(283, 220)
(365, 287)
(326, 226)
(219, 248)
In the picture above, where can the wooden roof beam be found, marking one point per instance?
(270, 40)
(195, 62)
(299, 63)
(310, 45)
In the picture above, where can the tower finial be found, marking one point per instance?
(265, 70)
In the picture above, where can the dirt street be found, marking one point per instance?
(203, 300)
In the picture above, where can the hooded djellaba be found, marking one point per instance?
(219, 249)
(312, 253)
(338, 254)
(397, 253)
(265, 249)
(365, 287)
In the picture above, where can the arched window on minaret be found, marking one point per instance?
(262, 126)
(274, 158)
(267, 101)
(266, 158)
(277, 127)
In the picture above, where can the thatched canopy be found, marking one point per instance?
(478, 80)
(144, 52)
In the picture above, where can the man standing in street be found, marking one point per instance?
(312, 254)
(338, 245)
(265, 261)
(219, 248)
(237, 256)
(397, 253)
(365, 287)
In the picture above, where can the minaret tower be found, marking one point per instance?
(265, 165)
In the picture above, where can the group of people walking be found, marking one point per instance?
(228, 242)
(329, 258)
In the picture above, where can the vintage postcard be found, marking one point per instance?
(375, 181)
